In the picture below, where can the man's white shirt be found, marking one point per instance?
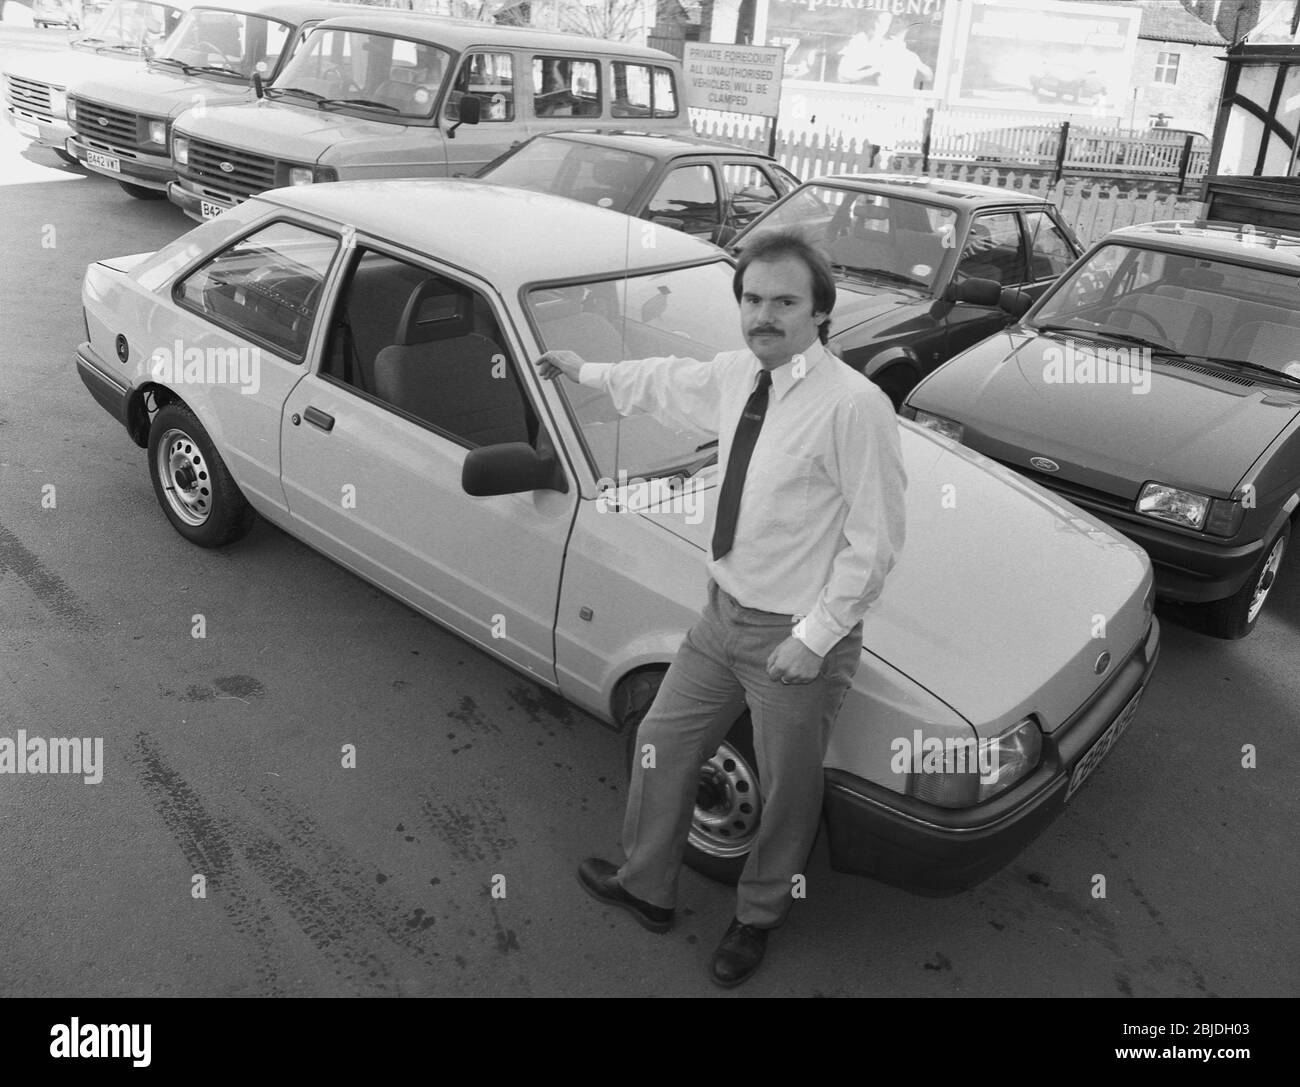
(822, 515)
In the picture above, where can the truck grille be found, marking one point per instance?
(30, 94)
(249, 174)
(108, 123)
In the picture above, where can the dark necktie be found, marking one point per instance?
(742, 448)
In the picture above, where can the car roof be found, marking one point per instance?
(655, 144)
(285, 11)
(509, 236)
(954, 193)
(459, 34)
(1267, 248)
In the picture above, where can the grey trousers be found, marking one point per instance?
(721, 666)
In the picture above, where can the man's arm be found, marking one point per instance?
(873, 482)
(680, 393)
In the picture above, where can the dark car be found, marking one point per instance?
(1075, 84)
(711, 190)
(1158, 387)
(925, 267)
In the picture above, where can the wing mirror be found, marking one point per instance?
(510, 468)
(975, 291)
(1015, 301)
(470, 110)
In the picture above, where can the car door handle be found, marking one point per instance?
(319, 418)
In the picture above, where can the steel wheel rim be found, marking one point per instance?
(187, 485)
(1266, 578)
(727, 805)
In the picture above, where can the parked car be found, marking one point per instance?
(405, 94)
(373, 340)
(708, 189)
(925, 267)
(1203, 468)
(36, 84)
(1056, 83)
(123, 123)
(47, 13)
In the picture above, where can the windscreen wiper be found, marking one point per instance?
(366, 102)
(1254, 367)
(275, 92)
(880, 273)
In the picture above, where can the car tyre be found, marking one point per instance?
(192, 483)
(728, 802)
(895, 382)
(141, 193)
(1235, 616)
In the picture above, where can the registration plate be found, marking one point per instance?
(209, 210)
(1101, 748)
(104, 162)
(31, 131)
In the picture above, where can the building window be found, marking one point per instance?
(1166, 68)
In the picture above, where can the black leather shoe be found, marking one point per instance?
(598, 880)
(739, 954)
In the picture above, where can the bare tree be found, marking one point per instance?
(609, 20)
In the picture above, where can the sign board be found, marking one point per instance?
(735, 78)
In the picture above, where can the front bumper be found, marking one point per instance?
(198, 208)
(936, 851)
(41, 130)
(111, 391)
(138, 167)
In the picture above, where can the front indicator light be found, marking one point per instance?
(71, 110)
(949, 428)
(181, 150)
(158, 133)
(1164, 503)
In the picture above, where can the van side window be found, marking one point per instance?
(641, 90)
(566, 87)
(490, 78)
(429, 347)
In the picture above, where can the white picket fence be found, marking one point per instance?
(1090, 206)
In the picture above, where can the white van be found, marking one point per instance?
(401, 94)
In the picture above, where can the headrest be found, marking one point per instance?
(436, 310)
(1200, 278)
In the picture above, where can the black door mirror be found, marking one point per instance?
(510, 468)
(975, 291)
(469, 112)
(1015, 301)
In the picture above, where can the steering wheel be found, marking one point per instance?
(1124, 308)
(338, 75)
(208, 47)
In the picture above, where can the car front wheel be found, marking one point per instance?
(193, 485)
(1235, 616)
(728, 802)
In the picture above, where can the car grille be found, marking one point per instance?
(116, 126)
(30, 94)
(248, 174)
(1073, 492)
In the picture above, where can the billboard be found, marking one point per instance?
(890, 46)
(1024, 54)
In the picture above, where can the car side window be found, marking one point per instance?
(430, 347)
(641, 90)
(266, 287)
(688, 195)
(490, 78)
(994, 249)
(566, 87)
(749, 192)
(1050, 252)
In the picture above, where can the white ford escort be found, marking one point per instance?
(353, 363)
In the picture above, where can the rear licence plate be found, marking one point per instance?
(28, 129)
(1098, 751)
(210, 210)
(104, 162)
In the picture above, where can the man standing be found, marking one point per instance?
(809, 521)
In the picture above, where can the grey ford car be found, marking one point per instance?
(1157, 386)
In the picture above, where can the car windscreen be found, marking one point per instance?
(374, 74)
(607, 177)
(1182, 303)
(227, 43)
(864, 232)
(685, 312)
(129, 25)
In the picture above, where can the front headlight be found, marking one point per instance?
(158, 133)
(181, 150)
(1011, 757)
(960, 771)
(949, 428)
(70, 108)
(301, 175)
(1165, 503)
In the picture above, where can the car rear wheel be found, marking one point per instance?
(1236, 615)
(141, 193)
(728, 803)
(193, 485)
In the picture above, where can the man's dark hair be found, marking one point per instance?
(771, 245)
